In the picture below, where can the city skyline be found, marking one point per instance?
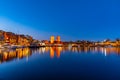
(59, 39)
(73, 20)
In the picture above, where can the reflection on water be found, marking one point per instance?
(56, 50)
(8, 55)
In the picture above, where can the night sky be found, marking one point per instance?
(71, 19)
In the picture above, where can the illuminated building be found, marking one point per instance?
(58, 38)
(1, 37)
(52, 39)
(6, 37)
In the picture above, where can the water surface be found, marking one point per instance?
(60, 63)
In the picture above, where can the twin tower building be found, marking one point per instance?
(52, 39)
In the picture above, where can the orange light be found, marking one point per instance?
(51, 52)
(52, 39)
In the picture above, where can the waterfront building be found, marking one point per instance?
(58, 39)
(52, 39)
(1, 37)
(45, 41)
(6, 37)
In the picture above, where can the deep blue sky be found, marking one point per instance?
(71, 19)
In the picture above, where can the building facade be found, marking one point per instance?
(52, 39)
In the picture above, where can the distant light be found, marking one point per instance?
(105, 52)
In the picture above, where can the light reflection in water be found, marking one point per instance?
(51, 52)
(8, 55)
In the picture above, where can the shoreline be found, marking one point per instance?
(15, 47)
